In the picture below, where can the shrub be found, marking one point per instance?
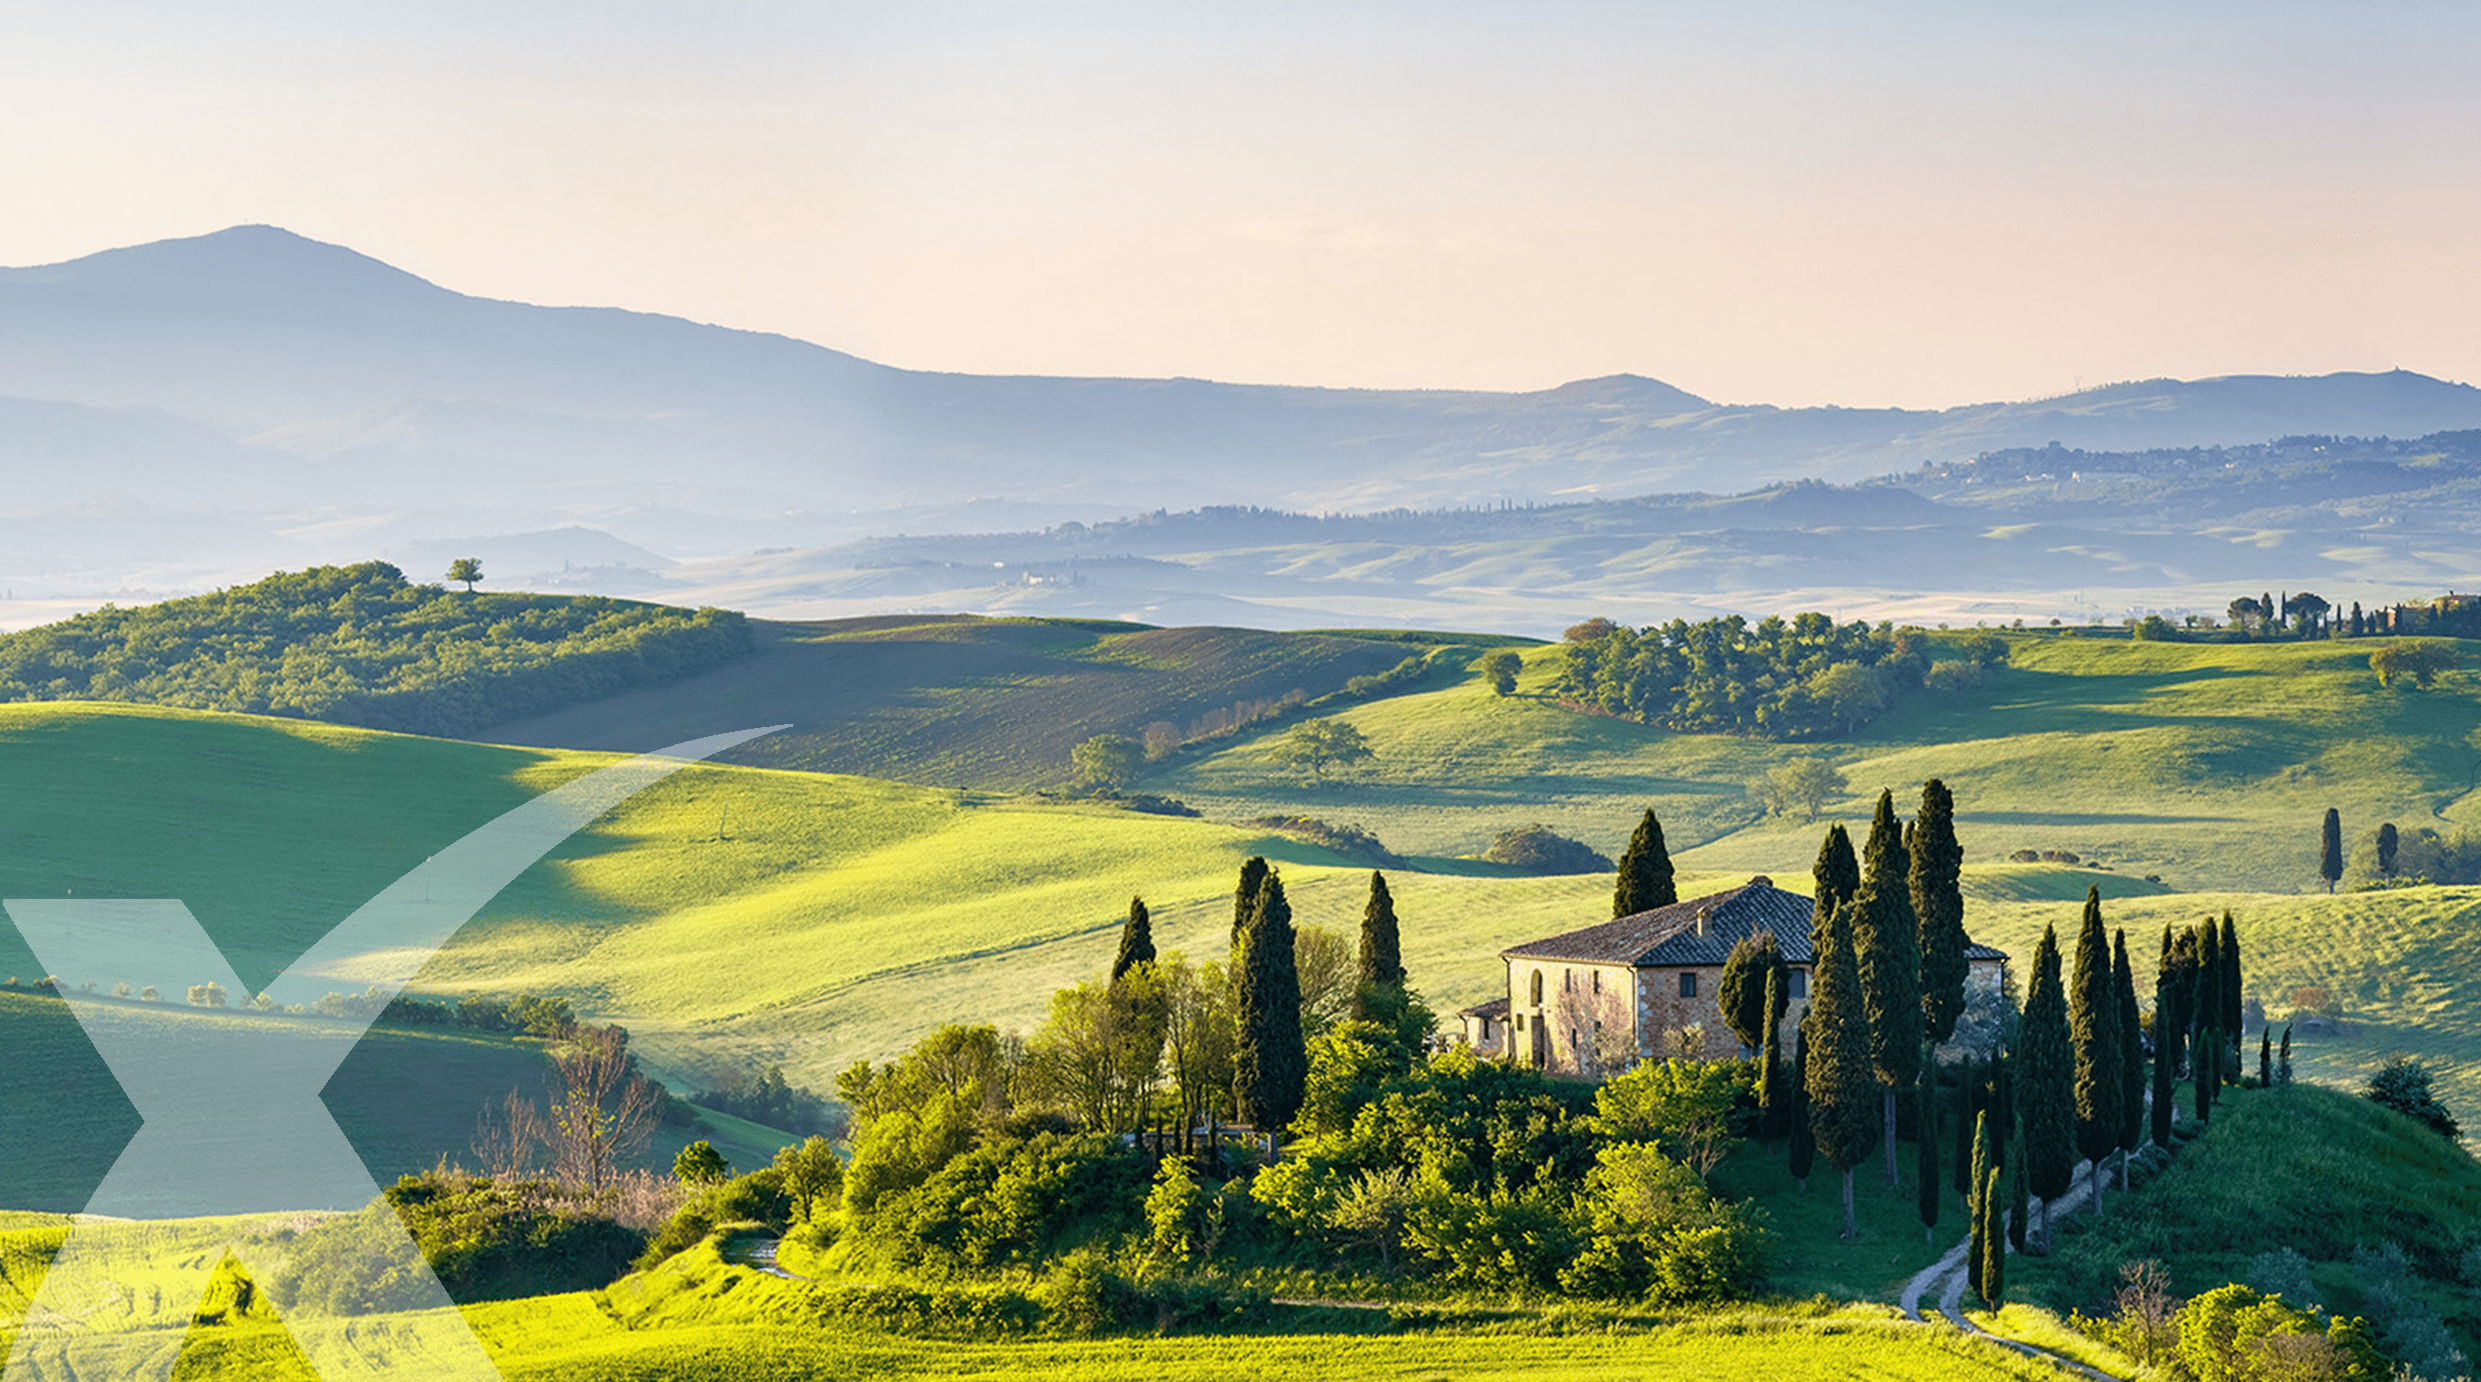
(1538, 850)
(2283, 1272)
(1013, 1202)
(2402, 1084)
(1952, 675)
(755, 1198)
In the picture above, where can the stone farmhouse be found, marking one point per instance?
(1594, 1001)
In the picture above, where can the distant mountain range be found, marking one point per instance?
(199, 410)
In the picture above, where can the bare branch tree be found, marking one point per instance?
(605, 1111)
(504, 1144)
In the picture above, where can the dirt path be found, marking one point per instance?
(1944, 1282)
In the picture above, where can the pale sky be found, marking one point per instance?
(1856, 203)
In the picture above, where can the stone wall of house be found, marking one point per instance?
(1581, 1020)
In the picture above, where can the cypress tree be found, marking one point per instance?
(1980, 1197)
(2045, 1082)
(2205, 1008)
(1645, 871)
(2282, 1061)
(2019, 1188)
(2330, 849)
(1938, 906)
(1770, 1054)
(1743, 995)
(1796, 1093)
(1382, 956)
(2171, 987)
(2230, 956)
(2093, 1028)
(1926, 1137)
(1994, 1257)
(2131, 1056)
(1836, 874)
(1968, 1125)
(1843, 1094)
(2265, 1057)
(2389, 841)
(1890, 966)
(2162, 1080)
(1136, 941)
(1245, 899)
(1270, 1063)
(2209, 1073)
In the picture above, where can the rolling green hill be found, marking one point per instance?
(960, 701)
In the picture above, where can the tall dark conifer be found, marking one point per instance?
(1770, 1055)
(2229, 953)
(1994, 1256)
(1645, 871)
(1976, 1198)
(2330, 849)
(2131, 1056)
(1796, 1095)
(2209, 1076)
(2172, 985)
(1836, 874)
(2019, 1189)
(1925, 1136)
(1938, 906)
(2093, 1031)
(1245, 899)
(2205, 1009)
(1890, 965)
(2045, 1082)
(1968, 1123)
(1270, 1064)
(1136, 940)
(1382, 956)
(1844, 1094)
(1743, 994)
(2162, 1108)
(2265, 1057)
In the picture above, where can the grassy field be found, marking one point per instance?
(699, 1319)
(961, 701)
(2207, 764)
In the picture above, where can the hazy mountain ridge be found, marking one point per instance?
(255, 400)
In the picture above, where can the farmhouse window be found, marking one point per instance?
(1688, 983)
(1597, 981)
(1567, 981)
(1800, 983)
(1537, 988)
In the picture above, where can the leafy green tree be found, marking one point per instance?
(1645, 871)
(2330, 849)
(2045, 1086)
(1136, 940)
(1836, 874)
(1938, 904)
(1108, 761)
(207, 995)
(1844, 1094)
(1095, 1056)
(1271, 1064)
(1175, 1211)
(1245, 900)
(1499, 669)
(2131, 1056)
(1683, 1106)
(2422, 659)
(812, 1175)
(1748, 982)
(1382, 959)
(467, 570)
(1890, 966)
(1800, 787)
(1850, 692)
(700, 1164)
(1321, 744)
(2093, 1027)
(2403, 1084)
(1926, 1139)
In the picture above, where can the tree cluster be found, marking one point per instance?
(1803, 678)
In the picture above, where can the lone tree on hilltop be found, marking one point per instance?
(1836, 874)
(1321, 744)
(1108, 761)
(1645, 871)
(1136, 940)
(1271, 1063)
(2388, 842)
(1380, 987)
(2330, 849)
(468, 570)
(1499, 669)
(1938, 906)
(1799, 787)
(1890, 965)
(2045, 1086)
(1843, 1093)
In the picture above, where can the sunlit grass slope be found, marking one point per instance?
(2208, 764)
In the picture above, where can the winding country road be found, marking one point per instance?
(1944, 1282)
